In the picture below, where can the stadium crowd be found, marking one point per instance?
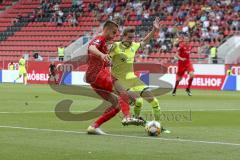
(205, 22)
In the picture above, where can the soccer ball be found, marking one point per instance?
(153, 128)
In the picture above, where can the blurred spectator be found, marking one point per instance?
(56, 7)
(205, 35)
(146, 14)
(213, 54)
(46, 7)
(37, 56)
(11, 66)
(73, 20)
(40, 13)
(139, 11)
(77, 5)
(33, 16)
(185, 30)
(170, 9)
(59, 18)
(54, 17)
(61, 52)
(91, 6)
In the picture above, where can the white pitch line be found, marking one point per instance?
(179, 110)
(126, 136)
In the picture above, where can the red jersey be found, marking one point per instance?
(184, 52)
(95, 63)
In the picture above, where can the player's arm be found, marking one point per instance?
(49, 68)
(111, 51)
(150, 35)
(177, 56)
(20, 62)
(93, 49)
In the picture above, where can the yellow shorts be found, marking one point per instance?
(133, 84)
(22, 71)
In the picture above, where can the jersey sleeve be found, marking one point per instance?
(180, 50)
(136, 45)
(96, 42)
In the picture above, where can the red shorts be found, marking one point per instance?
(186, 68)
(103, 84)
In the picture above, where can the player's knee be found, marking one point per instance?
(147, 95)
(139, 102)
(113, 100)
(117, 109)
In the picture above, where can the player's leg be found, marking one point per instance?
(55, 78)
(103, 86)
(126, 97)
(188, 89)
(138, 107)
(131, 84)
(143, 91)
(53, 74)
(123, 103)
(108, 114)
(150, 98)
(148, 95)
(179, 76)
(190, 71)
(19, 76)
(25, 78)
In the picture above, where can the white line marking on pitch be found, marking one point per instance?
(180, 110)
(126, 136)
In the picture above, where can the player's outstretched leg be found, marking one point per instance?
(109, 112)
(15, 81)
(107, 115)
(175, 87)
(147, 95)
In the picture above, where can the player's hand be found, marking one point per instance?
(106, 58)
(156, 24)
(183, 59)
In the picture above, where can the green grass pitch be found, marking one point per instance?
(204, 126)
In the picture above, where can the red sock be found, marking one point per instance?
(176, 84)
(190, 82)
(123, 102)
(107, 115)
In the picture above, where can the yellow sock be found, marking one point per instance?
(155, 109)
(138, 107)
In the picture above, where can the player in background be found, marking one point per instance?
(22, 70)
(98, 75)
(52, 72)
(184, 65)
(123, 54)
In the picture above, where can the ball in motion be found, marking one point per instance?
(153, 128)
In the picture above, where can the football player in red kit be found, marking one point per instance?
(99, 77)
(184, 65)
